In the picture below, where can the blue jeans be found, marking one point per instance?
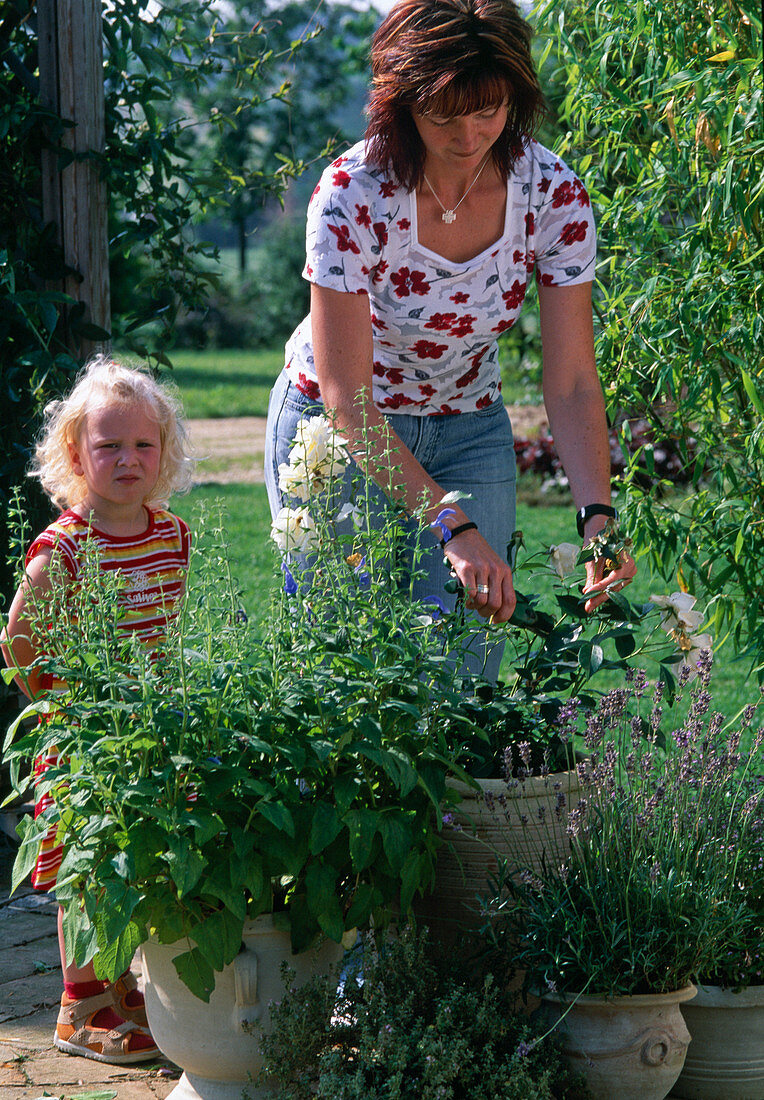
(470, 452)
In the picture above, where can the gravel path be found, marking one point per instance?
(231, 450)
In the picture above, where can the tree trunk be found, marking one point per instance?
(74, 197)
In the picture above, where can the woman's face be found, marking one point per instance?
(460, 141)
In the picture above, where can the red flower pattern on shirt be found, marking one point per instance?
(362, 216)
(441, 321)
(341, 179)
(428, 349)
(483, 402)
(379, 270)
(387, 189)
(345, 242)
(409, 282)
(514, 296)
(463, 326)
(572, 232)
(469, 376)
(460, 297)
(308, 387)
(395, 400)
(563, 195)
(380, 230)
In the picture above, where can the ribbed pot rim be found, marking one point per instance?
(716, 996)
(534, 786)
(624, 1000)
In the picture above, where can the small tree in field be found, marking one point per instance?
(662, 101)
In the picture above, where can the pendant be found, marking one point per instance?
(448, 216)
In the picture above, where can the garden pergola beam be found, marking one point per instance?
(75, 198)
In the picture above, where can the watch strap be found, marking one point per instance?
(589, 510)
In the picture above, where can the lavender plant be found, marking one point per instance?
(663, 881)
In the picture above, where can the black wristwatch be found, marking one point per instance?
(585, 513)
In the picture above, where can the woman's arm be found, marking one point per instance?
(576, 410)
(343, 351)
(17, 641)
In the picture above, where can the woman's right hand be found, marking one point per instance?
(487, 580)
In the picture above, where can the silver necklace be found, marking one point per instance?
(449, 216)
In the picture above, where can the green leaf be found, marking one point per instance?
(320, 887)
(26, 856)
(114, 956)
(396, 839)
(219, 938)
(278, 815)
(330, 920)
(625, 645)
(195, 972)
(410, 880)
(362, 827)
(324, 828)
(364, 901)
(185, 862)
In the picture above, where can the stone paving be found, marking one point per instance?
(30, 989)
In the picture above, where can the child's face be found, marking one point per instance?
(118, 455)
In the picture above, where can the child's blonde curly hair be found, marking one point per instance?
(104, 382)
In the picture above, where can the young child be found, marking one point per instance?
(109, 456)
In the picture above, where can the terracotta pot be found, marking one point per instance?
(218, 1044)
(726, 1057)
(628, 1048)
(518, 823)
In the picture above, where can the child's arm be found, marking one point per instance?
(17, 640)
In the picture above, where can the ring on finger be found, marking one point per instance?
(481, 588)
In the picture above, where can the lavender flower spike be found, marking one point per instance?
(439, 521)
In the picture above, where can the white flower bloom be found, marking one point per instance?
(677, 612)
(692, 646)
(685, 620)
(676, 603)
(454, 496)
(563, 559)
(350, 510)
(294, 480)
(293, 529)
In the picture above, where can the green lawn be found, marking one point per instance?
(225, 383)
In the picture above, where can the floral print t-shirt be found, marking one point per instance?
(435, 322)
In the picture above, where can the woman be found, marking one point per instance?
(420, 243)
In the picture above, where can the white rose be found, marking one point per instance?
(293, 529)
(294, 480)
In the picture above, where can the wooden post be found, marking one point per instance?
(74, 197)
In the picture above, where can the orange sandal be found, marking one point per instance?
(121, 990)
(77, 1034)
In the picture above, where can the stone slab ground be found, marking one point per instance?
(30, 989)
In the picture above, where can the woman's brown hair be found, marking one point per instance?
(449, 57)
